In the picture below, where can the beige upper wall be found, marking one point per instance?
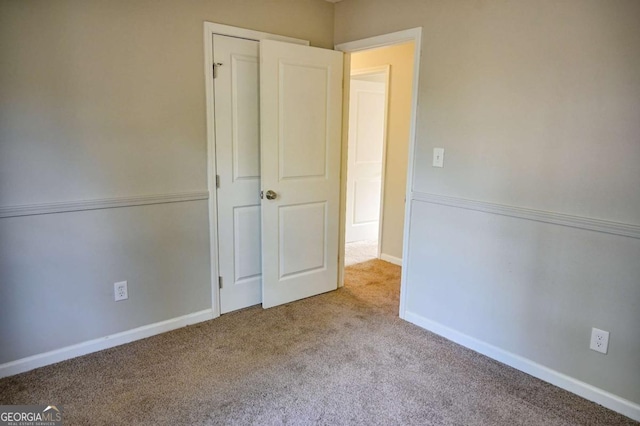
(103, 99)
(400, 58)
(537, 104)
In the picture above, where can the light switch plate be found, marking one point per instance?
(438, 157)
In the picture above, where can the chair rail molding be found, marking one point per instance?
(598, 225)
(103, 203)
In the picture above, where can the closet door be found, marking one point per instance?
(237, 136)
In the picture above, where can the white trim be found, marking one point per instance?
(598, 225)
(381, 69)
(585, 390)
(210, 29)
(391, 259)
(415, 35)
(97, 204)
(211, 168)
(95, 345)
(344, 150)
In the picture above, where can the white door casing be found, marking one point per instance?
(415, 35)
(300, 104)
(237, 136)
(367, 111)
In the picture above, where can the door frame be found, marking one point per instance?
(211, 28)
(386, 71)
(415, 35)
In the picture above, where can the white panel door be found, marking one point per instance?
(364, 164)
(301, 99)
(237, 134)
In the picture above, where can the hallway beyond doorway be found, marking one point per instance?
(360, 251)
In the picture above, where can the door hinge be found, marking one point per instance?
(219, 282)
(217, 181)
(215, 68)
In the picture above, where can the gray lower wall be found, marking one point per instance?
(533, 289)
(57, 273)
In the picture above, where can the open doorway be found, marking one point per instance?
(380, 93)
(391, 240)
(368, 101)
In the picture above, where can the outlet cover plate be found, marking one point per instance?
(599, 340)
(120, 291)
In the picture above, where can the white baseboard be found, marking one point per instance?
(391, 259)
(585, 390)
(73, 351)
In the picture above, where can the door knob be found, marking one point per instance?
(271, 195)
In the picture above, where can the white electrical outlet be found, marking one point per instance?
(599, 340)
(120, 291)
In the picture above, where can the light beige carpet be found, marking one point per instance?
(360, 251)
(341, 358)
